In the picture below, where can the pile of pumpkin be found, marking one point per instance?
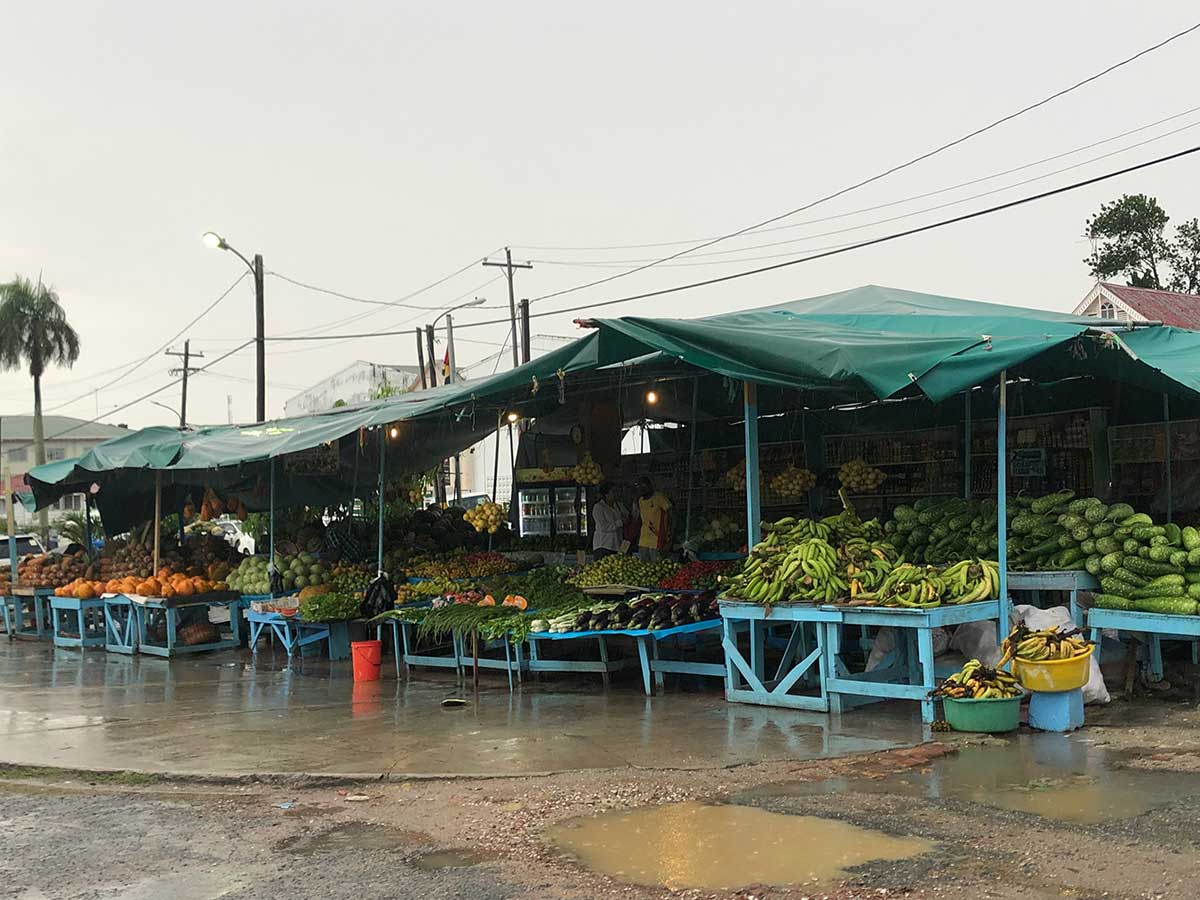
(165, 584)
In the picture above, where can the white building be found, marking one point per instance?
(357, 383)
(362, 381)
(66, 438)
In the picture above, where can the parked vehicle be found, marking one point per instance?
(26, 544)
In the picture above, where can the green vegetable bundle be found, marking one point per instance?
(335, 606)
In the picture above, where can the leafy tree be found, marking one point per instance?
(1130, 239)
(34, 330)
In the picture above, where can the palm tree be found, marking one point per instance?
(34, 330)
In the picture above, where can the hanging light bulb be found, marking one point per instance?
(394, 432)
(651, 397)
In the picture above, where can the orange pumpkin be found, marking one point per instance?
(488, 600)
(516, 600)
(167, 591)
(183, 588)
(85, 591)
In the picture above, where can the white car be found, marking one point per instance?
(230, 530)
(236, 537)
(26, 544)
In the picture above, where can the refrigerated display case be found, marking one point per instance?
(535, 513)
(570, 510)
(551, 510)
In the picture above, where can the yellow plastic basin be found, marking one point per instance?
(1054, 675)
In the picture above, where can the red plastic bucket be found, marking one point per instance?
(366, 656)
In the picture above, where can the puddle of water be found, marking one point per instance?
(450, 859)
(694, 845)
(353, 836)
(1045, 775)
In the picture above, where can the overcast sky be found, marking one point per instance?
(373, 148)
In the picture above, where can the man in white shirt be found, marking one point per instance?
(610, 523)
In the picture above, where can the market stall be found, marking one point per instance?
(942, 436)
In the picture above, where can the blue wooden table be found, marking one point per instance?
(1069, 581)
(295, 634)
(802, 663)
(603, 663)
(907, 673)
(146, 609)
(78, 623)
(1155, 626)
(31, 616)
(120, 625)
(652, 663)
(406, 646)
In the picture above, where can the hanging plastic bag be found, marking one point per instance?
(379, 597)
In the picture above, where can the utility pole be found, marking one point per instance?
(508, 265)
(229, 408)
(186, 370)
(432, 360)
(525, 351)
(260, 339)
(451, 376)
(421, 359)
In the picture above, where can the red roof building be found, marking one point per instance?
(1130, 304)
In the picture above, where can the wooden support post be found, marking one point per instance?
(157, 516)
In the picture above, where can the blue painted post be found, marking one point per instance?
(382, 452)
(1002, 503)
(271, 516)
(967, 445)
(87, 523)
(753, 502)
(687, 523)
(1167, 450)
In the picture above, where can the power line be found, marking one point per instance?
(831, 252)
(874, 208)
(157, 350)
(126, 406)
(872, 224)
(401, 302)
(994, 191)
(880, 175)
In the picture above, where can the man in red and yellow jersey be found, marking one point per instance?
(657, 515)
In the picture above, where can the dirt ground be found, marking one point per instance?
(72, 835)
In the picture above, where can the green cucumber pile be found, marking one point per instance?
(1148, 568)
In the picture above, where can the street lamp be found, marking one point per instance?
(214, 241)
(169, 409)
(478, 301)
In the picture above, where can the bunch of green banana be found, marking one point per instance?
(867, 565)
(1039, 646)
(822, 580)
(971, 581)
(802, 571)
(790, 530)
(975, 681)
(912, 587)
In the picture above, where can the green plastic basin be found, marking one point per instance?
(990, 716)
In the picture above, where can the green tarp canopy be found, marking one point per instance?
(882, 342)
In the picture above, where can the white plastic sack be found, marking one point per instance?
(977, 640)
(1035, 619)
(885, 642)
